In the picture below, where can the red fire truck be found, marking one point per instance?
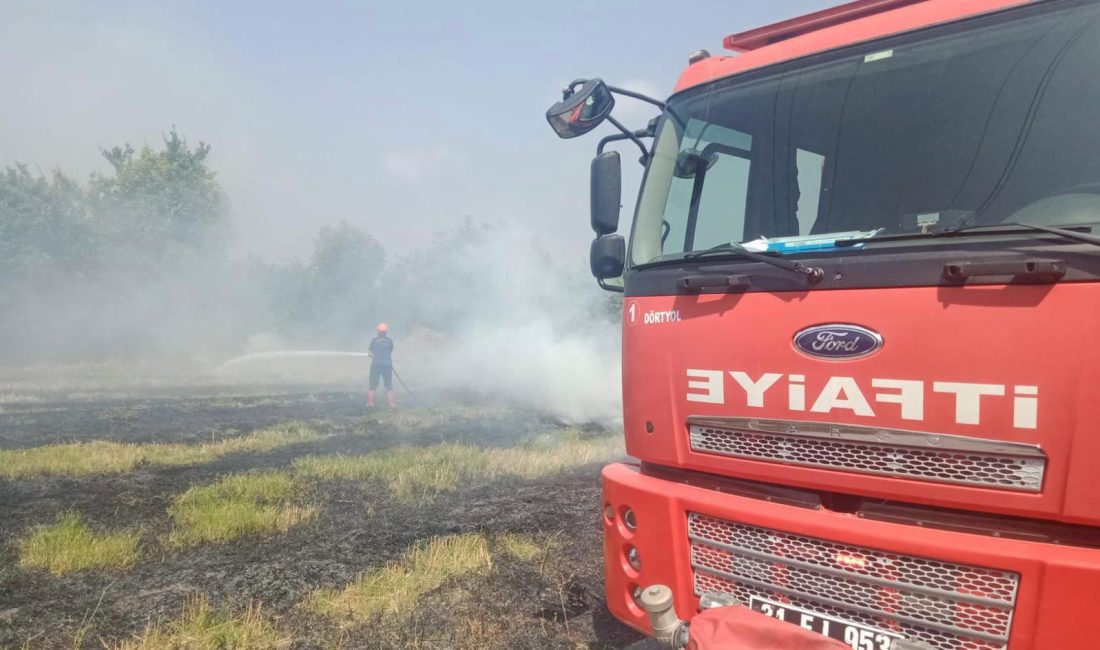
(861, 326)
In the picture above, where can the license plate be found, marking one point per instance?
(860, 637)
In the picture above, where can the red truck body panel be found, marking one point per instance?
(995, 366)
(877, 25)
(1055, 603)
(1000, 335)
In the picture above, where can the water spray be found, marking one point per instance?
(290, 354)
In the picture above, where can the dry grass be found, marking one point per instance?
(406, 420)
(202, 628)
(521, 547)
(241, 504)
(549, 455)
(101, 457)
(12, 397)
(70, 545)
(415, 474)
(395, 588)
(411, 474)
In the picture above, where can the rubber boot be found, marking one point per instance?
(391, 399)
(370, 398)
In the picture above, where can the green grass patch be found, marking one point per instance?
(395, 588)
(102, 457)
(415, 474)
(241, 504)
(410, 473)
(69, 544)
(201, 627)
(521, 547)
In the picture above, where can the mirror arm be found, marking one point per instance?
(610, 287)
(615, 137)
(639, 96)
(627, 135)
(608, 139)
(568, 92)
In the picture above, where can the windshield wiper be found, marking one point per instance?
(965, 230)
(1062, 232)
(812, 274)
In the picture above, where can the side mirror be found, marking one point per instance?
(607, 256)
(581, 110)
(606, 192)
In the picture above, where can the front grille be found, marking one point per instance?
(867, 450)
(946, 606)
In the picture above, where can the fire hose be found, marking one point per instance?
(402, 382)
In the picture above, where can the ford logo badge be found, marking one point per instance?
(838, 341)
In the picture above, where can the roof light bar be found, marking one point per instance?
(761, 36)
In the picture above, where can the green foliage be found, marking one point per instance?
(343, 279)
(478, 272)
(160, 207)
(345, 257)
(112, 265)
(45, 232)
(334, 298)
(156, 208)
(135, 263)
(440, 276)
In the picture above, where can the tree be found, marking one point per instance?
(160, 208)
(45, 234)
(436, 286)
(134, 262)
(345, 259)
(343, 276)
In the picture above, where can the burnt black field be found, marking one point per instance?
(553, 602)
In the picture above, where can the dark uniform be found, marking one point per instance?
(381, 364)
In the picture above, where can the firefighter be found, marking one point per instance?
(381, 365)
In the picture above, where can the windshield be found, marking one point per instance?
(987, 121)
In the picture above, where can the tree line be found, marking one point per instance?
(137, 262)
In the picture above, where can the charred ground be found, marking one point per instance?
(550, 599)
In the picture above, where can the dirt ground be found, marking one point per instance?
(555, 601)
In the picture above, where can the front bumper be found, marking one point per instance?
(1055, 590)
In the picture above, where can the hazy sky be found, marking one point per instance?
(401, 117)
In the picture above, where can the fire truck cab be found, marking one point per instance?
(861, 329)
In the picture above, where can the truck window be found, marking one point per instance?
(720, 217)
(975, 124)
(809, 166)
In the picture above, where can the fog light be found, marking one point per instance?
(629, 521)
(633, 558)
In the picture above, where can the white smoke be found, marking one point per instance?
(535, 331)
(482, 310)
